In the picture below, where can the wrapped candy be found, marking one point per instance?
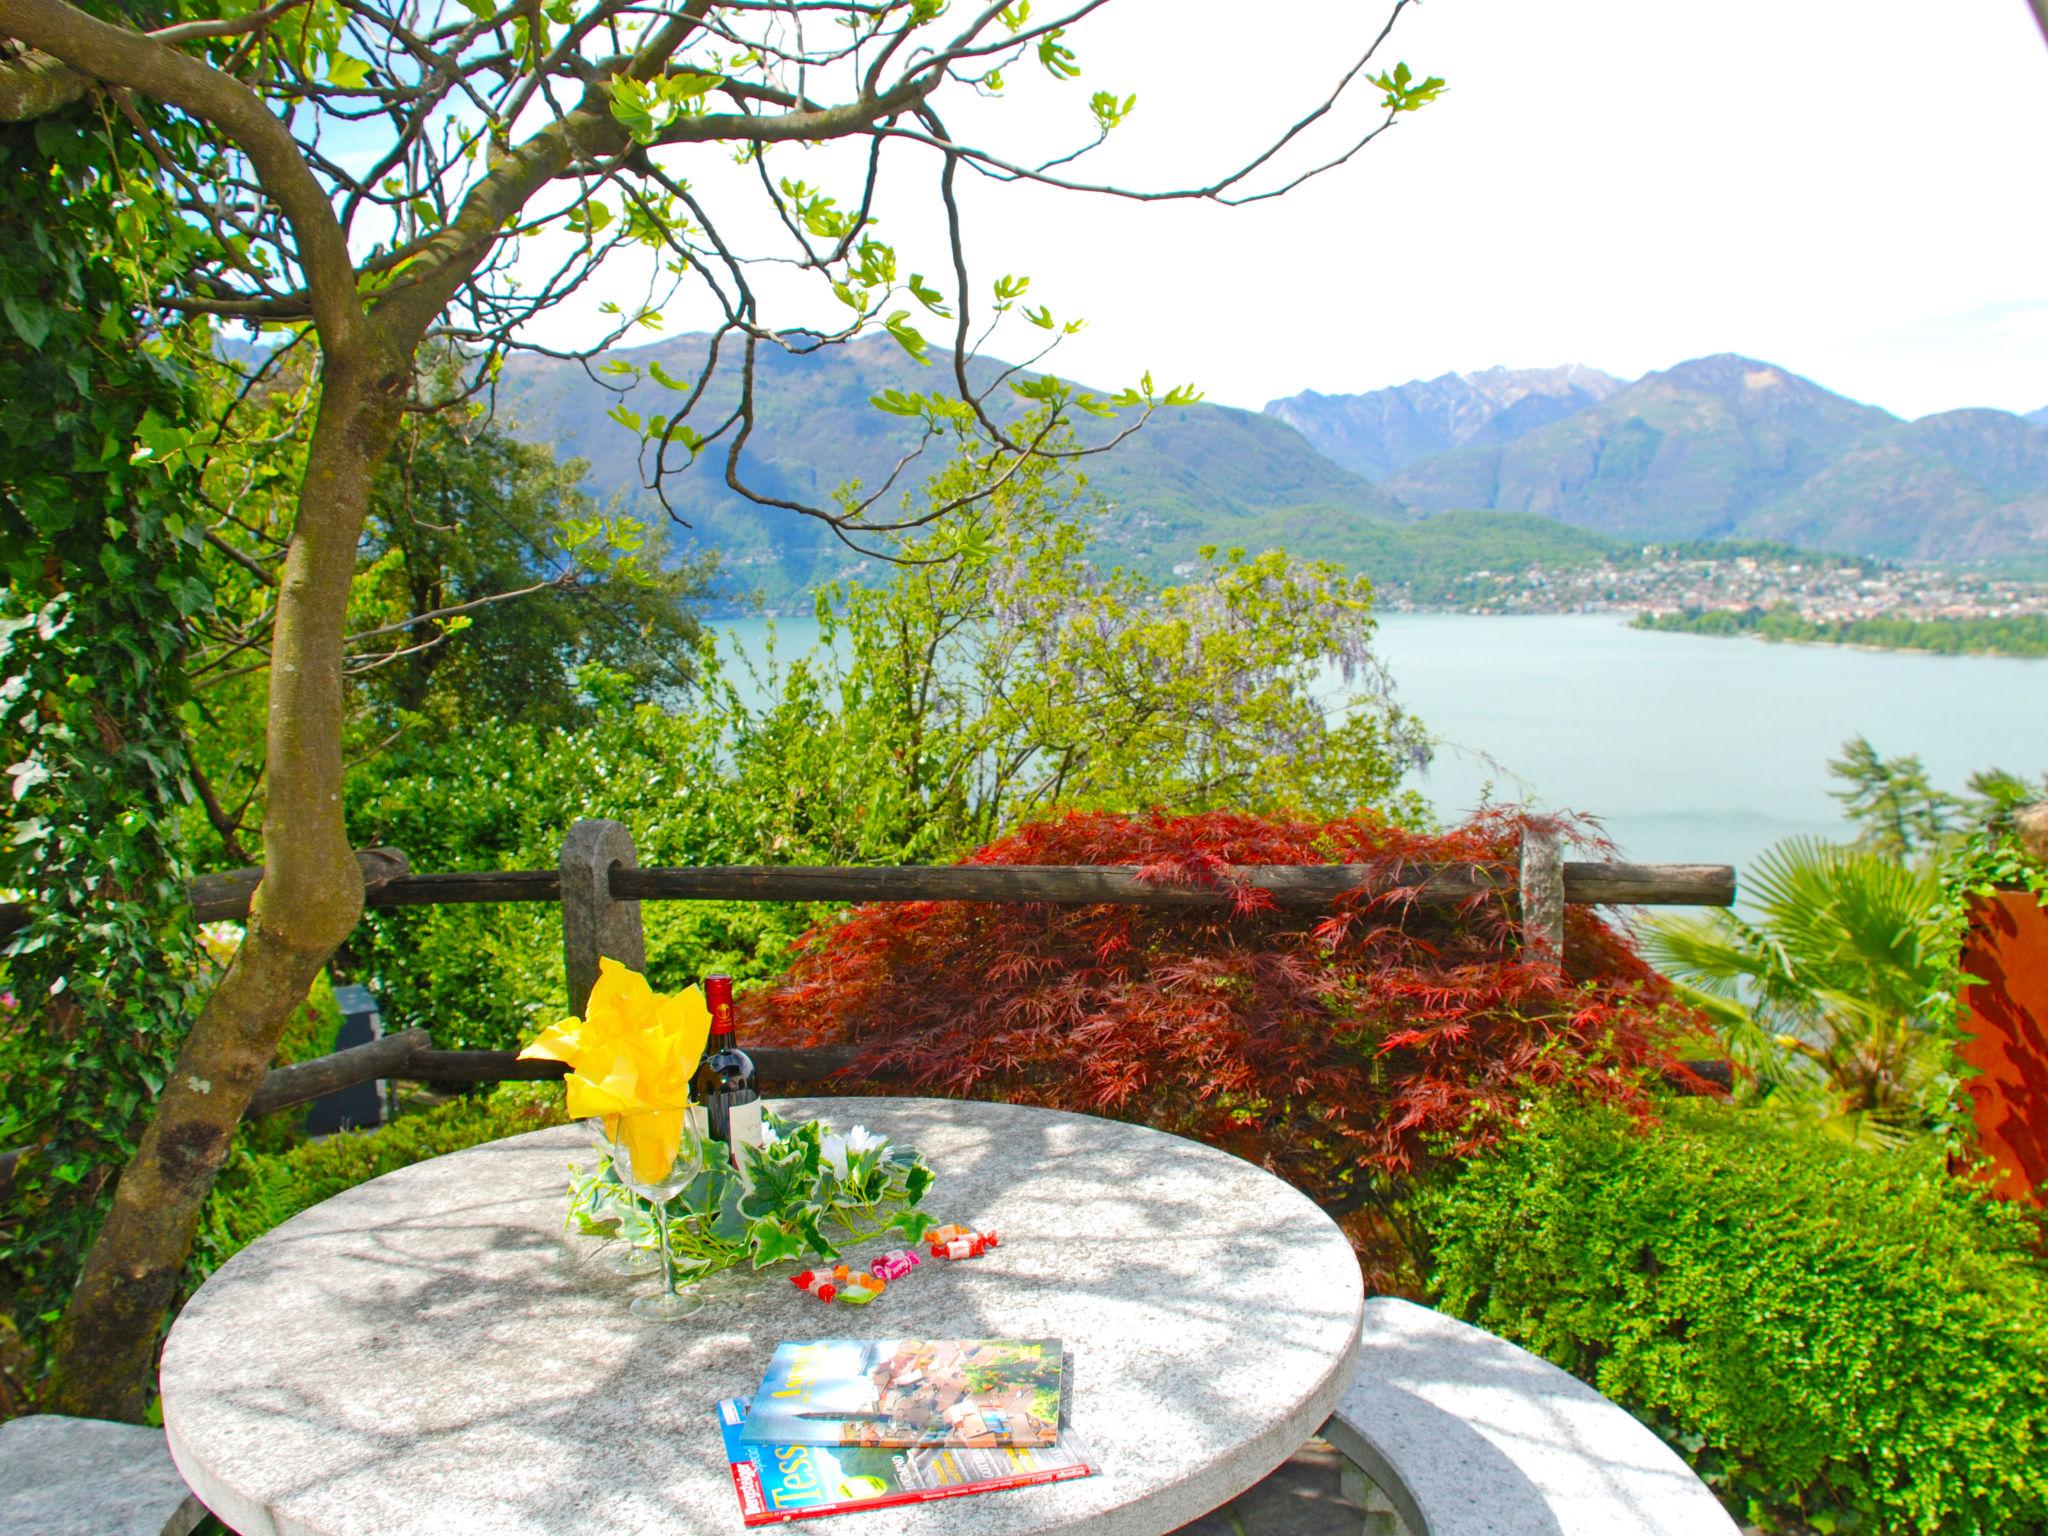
(817, 1283)
(972, 1246)
(947, 1233)
(894, 1266)
(840, 1284)
(861, 1289)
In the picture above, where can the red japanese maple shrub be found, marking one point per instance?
(1327, 1046)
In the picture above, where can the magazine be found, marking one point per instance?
(887, 1394)
(795, 1482)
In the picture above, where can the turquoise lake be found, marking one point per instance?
(1688, 748)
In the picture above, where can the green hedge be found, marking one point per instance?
(502, 796)
(1854, 1338)
(260, 1189)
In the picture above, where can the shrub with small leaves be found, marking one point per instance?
(1853, 1341)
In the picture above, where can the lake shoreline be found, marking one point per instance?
(1687, 750)
(1840, 645)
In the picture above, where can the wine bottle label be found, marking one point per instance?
(743, 1121)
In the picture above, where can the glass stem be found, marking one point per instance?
(668, 1263)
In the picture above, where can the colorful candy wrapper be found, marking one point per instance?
(971, 1246)
(894, 1266)
(861, 1289)
(819, 1285)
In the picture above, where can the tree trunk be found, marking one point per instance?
(311, 895)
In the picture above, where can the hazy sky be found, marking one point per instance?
(1850, 188)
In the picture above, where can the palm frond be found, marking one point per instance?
(1825, 988)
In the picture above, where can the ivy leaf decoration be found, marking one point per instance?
(814, 1237)
(731, 1223)
(772, 1243)
(912, 1224)
(915, 1183)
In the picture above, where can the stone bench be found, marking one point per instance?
(88, 1477)
(1468, 1435)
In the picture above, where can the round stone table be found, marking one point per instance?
(429, 1353)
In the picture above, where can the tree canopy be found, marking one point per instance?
(382, 183)
(388, 173)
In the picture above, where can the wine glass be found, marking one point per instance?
(624, 1257)
(655, 1156)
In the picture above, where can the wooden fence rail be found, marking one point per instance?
(600, 886)
(387, 885)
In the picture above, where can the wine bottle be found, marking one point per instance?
(725, 1080)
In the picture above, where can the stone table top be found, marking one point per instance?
(428, 1352)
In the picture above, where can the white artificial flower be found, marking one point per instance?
(861, 1139)
(833, 1150)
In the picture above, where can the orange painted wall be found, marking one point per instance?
(2005, 1024)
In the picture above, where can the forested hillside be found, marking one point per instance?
(1194, 475)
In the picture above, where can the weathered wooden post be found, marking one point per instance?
(1543, 894)
(594, 924)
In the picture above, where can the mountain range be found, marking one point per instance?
(1382, 432)
(1717, 447)
(1726, 447)
(1196, 475)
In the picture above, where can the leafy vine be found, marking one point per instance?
(806, 1190)
(100, 572)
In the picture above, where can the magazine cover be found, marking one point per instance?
(793, 1482)
(888, 1394)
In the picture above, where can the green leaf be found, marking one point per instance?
(347, 72)
(684, 85)
(912, 1224)
(632, 108)
(29, 317)
(772, 1244)
(907, 336)
(1404, 93)
(897, 403)
(914, 1187)
(731, 1223)
(814, 1236)
(1056, 56)
(927, 295)
(588, 218)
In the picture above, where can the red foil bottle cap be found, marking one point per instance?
(718, 998)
